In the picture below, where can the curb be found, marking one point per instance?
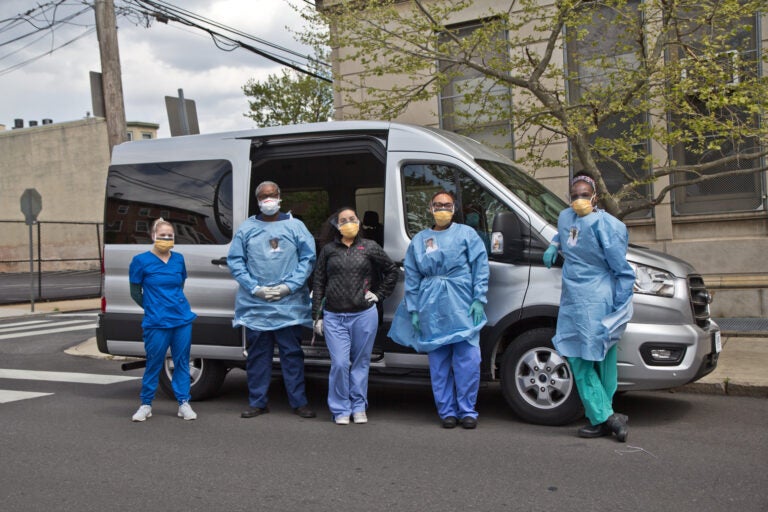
(725, 388)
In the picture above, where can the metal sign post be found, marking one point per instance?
(31, 204)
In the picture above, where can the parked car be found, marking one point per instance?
(204, 184)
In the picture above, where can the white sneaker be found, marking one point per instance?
(186, 412)
(342, 420)
(360, 417)
(144, 412)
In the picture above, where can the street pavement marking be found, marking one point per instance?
(48, 323)
(78, 314)
(4, 327)
(81, 378)
(7, 395)
(47, 331)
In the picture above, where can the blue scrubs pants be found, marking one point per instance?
(156, 344)
(349, 337)
(596, 382)
(258, 365)
(455, 373)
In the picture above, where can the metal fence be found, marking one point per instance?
(65, 261)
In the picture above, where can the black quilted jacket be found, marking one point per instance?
(343, 275)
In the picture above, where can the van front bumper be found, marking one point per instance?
(653, 356)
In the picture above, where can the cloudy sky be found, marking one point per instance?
(156, 62)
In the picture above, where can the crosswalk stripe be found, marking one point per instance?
(80, 378)
(51, 323)
(4, 327)
(7, 395)
(47, 331)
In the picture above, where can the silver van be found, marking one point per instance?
(204, 184)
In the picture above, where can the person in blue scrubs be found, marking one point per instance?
(353, 274)
(271, 257)
(446, 282)
(595, 304)
(157, 285)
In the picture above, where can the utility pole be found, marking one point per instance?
(111, 77)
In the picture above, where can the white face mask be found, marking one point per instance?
(269, 206)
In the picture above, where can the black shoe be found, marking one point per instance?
(599, 430)
(253, 412)
(468, 422)
(305, 412)
(617, 423)
(450, 422)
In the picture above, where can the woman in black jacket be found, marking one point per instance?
(352, 275)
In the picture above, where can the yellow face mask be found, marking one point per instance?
(349, 230)
(163, 245)
(582, 207)
(443, 217)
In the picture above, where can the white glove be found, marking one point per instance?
(277, 292)
(371, 297)
(261, 292)
(318, 326)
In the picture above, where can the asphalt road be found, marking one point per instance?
(71, 284)
(76, 449)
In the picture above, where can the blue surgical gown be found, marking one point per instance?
(269, 254)
(445, 271)
(596, 299)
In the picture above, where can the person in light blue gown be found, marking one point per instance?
(446, 281)
(595, 304)
(271, 258)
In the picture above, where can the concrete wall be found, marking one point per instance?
(67, 164)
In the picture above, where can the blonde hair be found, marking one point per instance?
(159, 222)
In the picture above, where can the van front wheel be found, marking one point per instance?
(537, 382)
(206, 377)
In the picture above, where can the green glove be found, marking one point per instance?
(550, 256)
(415, 323)
(476, 311)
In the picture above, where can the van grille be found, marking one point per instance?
(700, 299)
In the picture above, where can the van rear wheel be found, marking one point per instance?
(537, 382)
(206, 377)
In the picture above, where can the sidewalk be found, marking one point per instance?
(742, 369)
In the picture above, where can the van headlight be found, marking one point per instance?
(653, 281)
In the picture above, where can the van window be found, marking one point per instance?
(475, 206)
(196, 197)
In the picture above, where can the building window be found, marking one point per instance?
(142, 226)
(129, 136)
(146, 135)
(144, 212)
(123, 209)
(607, 49)
(469, 97)
(166, 214)
(739, 61)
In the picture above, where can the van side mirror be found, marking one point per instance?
(507, 238)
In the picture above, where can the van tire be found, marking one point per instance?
(206, 378)
(537, 382)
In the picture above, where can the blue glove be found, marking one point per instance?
(476, 311)
(415, 323)
(550, 256)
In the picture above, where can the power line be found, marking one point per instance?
(29, 61)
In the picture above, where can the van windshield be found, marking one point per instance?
(535, 195)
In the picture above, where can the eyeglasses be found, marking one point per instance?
(442, 206)
(348, 220)
(584, 195)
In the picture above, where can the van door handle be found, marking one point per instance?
(220, 261)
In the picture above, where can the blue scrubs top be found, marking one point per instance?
(445, 271)
(596, 300)
(165, 305)
(268, 254)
